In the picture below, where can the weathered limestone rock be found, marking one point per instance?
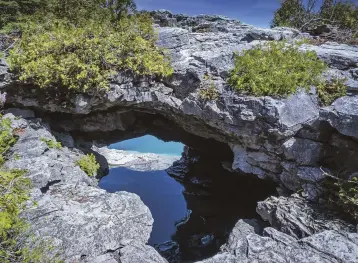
(343, 115)
(85, 221)
(274, 246)
(299, 218)
(285, 139)
(138, 252)
(264, 133)
(82, 222)
(137, 161)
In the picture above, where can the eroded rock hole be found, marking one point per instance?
(194, 200)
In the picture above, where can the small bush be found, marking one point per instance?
(275, 69)
(51, 143)
(59, 55)
(7, 139)
(208, 90)
(343, 194)
(12, 199)
(88, 164)
(209, 93)
(14, 194)
(331, 90)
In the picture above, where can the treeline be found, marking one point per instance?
(307, 14)
(76, 11)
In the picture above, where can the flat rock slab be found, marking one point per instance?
(86, 221)
(137, 161)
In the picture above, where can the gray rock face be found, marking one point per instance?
(85, 221)
(137, 161)
(82, 222)
(300, 218)
(285, 139)
(343, 115)
(265, 134)
(274, 246)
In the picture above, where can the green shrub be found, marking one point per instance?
(51, 143)
(14, 194)
(7, 139)
(208, 90)
(61, 55)
(331, 90)
(276, 68)
(88, 164)
(11, 10)
(343, 194)
(15, 12)
(209, 93)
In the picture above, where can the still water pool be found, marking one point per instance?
(195, 219)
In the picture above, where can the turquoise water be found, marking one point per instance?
(149, 144)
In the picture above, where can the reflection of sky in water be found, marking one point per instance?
(161, 193)
(214, 211)
(149, 144)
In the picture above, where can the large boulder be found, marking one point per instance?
(81, 222)
(300, 218)
(274, 247)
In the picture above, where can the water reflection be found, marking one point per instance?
(195, 212)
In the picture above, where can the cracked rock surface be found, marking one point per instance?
(277, 138)
(82, 222)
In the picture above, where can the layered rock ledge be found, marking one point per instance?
(285, 139)
(289, 140)
(82, 222)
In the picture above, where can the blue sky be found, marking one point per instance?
(254, 12)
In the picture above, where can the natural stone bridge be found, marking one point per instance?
(285, 139)
(289, 140)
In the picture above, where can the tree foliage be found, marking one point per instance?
(289, 14)
(75, 11)
(10, 10)
(302, 14)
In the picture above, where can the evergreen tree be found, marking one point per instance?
(289, 14)
(301, 13)
(10, 10)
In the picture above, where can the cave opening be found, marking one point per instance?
(194, 200)
(194, 196)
